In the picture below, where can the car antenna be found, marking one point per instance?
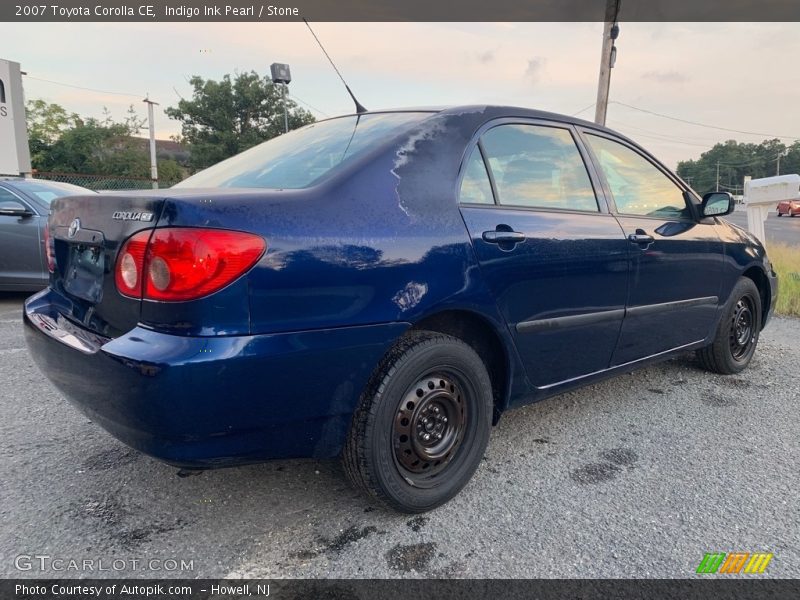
(359, 109)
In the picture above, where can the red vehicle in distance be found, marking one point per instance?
(789, 208)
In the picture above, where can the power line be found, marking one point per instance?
(681, 138)
(324, 114)
(88, 89)
(752, 162)
(660, 138)
(78, 87)
(708, 146)
(663, 116)
(583, 109)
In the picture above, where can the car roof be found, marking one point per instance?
(511, 111)
(500, 111)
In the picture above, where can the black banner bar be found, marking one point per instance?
(384, 589)
(394, 10)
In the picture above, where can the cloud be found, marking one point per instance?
(535, 67)
(666, 76)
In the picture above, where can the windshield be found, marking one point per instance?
(301, 157)
(47, 191)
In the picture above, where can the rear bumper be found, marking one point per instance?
(211, 401)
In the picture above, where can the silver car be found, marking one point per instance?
(24, 205)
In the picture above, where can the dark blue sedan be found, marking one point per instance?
(383, 287)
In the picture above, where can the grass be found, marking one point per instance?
(786, 262)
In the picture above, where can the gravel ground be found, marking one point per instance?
(635, 477)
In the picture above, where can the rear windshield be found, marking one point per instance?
(301, 157)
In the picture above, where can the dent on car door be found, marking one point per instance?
(20, 248)
(555, 262)
(676, 259)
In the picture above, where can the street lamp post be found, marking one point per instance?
(282, 75)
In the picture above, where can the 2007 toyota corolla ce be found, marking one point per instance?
(383, 287)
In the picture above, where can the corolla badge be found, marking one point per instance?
(74, 227)
(125, 215)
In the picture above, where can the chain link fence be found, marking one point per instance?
(104, 182)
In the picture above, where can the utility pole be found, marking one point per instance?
(778, 170)
(608, 56)
(717, 175)
(151, 123)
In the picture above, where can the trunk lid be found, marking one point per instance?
(87, 233)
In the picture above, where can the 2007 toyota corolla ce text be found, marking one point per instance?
(383, 286)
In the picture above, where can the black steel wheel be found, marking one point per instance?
(737, 334)
(423, 423)
(742, 328)
(429, 426)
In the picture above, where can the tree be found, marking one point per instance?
(169, 171)
(226, 117)
(45, 122)
(736, 160)
(64, 142)
(93, 147)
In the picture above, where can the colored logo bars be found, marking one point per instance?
(734, 562)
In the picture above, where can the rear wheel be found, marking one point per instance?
(423, 423)
(737, 333)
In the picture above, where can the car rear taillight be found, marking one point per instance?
(179, 264)
(130, 265)
(48, 249)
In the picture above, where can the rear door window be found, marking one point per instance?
(538, 166)
(476, 188)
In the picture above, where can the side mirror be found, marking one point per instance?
(717, 204)
(14, 210)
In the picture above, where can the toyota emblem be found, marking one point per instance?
(73, 228)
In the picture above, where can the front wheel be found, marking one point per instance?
(737, 334)
(423, 423)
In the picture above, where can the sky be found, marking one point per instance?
(740, 76)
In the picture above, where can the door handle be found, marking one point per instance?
(503, 237)
(640, 237)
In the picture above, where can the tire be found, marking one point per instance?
(428, 384)
(737, 333)
(780, 214)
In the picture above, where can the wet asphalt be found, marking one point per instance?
(638, 476)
